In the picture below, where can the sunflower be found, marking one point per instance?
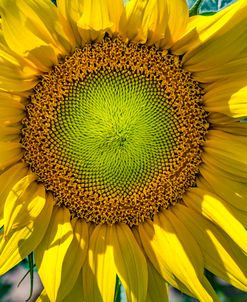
(123, 151)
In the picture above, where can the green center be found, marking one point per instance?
(114, 131)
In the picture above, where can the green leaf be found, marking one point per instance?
(194, 10)
(207, 13)
(117, 296)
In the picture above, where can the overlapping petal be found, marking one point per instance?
(217, 210)
(16, 75)
(60, 241)
(179, 247)
(90, 20)
(10, 153)
(206, 36)
(228, 97)
(42, 34)
(102, 264)
(130, 263)
(23, 241)
(25, 197)
(159, 22)
(11, 110)
(228, 151)
(157, 286)
(221, 255)
(232, 191)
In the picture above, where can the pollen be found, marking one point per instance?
(115, 131)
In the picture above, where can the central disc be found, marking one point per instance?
(114, 132)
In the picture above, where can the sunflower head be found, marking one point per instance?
(113, 139)
(122, 146)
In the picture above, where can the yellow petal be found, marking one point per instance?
(116, 14)
(22, 40)
(208, 32)
(233, 127)
(10, 115)
(10, 105)
(178, 16)
(9, 178)
(232, 69)
(16, 74)
(51, 25)
(12, 99)
(24, 202)
(76, 294)
(156, 22)
(229, 153)
(50, 255)
(130, 263)
(10, 130)
(102, 263)
(100, 21)
(98, 17)
(11, 80)
(71, 10)
(11, 109)
(221, 255)
(32, 29)
(220, 118)
(224, 168)
(10, 153)
(23, 242)
(146, 20)
(11, 133)
(233, 192)
(90, 290)
(12, 59)
(157, 287)
(152, 244)
(209, 55)
(180, 246)
(89, 281)
(15, 85)
(223, 137)
(43, 297)
(227, 97)
(216, 210)
(240, 215)
(74, 258)
(77, 249)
